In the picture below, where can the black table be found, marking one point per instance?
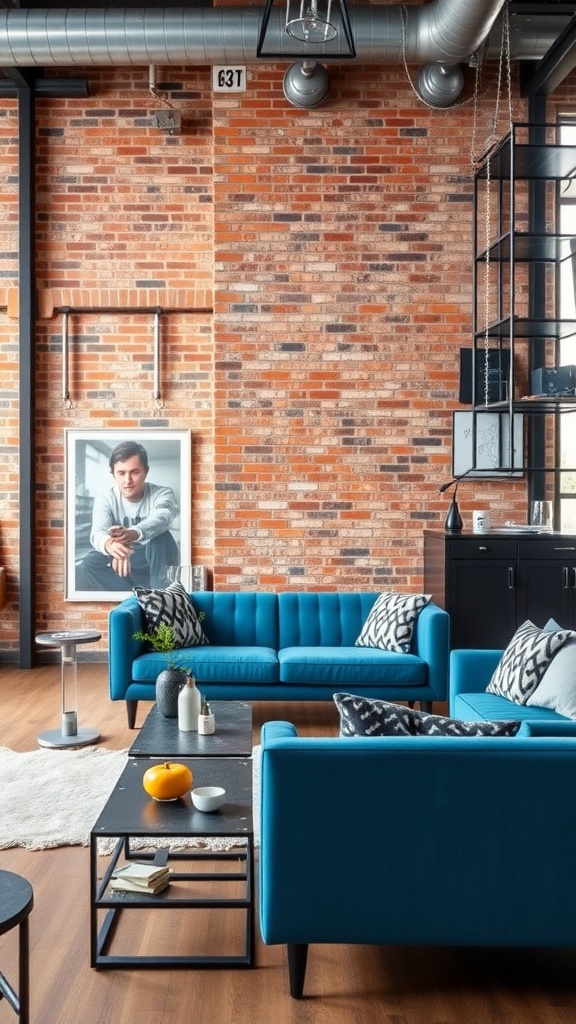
(16, 902)
(161, 737)
(130, 814)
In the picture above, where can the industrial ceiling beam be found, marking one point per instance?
(555, 66)
(17, 78)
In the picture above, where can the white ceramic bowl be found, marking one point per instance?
(208, 798)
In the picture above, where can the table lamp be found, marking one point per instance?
(453, 519)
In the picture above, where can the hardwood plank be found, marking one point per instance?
(345, 984)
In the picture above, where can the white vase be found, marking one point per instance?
(189, 704)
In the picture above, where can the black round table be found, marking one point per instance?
(16, 902)
(69, 735)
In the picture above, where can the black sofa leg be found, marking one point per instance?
(131, 709)
(426, 705)
(297, 957)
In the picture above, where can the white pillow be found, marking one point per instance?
(525, 660)
(390, 622)
(557, 688)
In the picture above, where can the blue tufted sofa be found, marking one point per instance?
(287, 646)
(417, 840)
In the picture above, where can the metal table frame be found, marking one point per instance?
(218, 826)
(17, 898)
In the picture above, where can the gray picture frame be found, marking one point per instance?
(87, 472)
(492, 455)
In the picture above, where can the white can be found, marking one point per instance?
(481, 521)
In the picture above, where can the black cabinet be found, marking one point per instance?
(491, 583)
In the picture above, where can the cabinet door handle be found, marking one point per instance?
(510, 577)
(567, 547)
(565, 577)
(574, 578)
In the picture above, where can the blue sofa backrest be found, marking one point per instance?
(417, 840)
(238, 619)
(323, 619)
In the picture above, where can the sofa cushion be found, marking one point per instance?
(340, 667)
(491, 707)
(367, 716)
(525, 661)
(250, 666)
(390, 623)
(174, 608)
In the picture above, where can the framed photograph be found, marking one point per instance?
(128, 510)
(492, 444)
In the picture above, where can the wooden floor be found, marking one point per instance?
(345, 984)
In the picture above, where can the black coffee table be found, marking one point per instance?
(131, 814)
(161, 737)
(16, 902)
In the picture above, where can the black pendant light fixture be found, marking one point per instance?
(306, 29)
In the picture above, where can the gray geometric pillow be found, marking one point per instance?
(390, 623)
(525, 661)
(174, 608)
(368, 716)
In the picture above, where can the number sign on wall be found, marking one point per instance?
(228, 79)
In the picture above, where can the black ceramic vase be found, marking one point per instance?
(168, 686)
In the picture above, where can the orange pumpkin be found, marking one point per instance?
(167, 781)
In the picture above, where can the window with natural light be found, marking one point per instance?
(567, 351)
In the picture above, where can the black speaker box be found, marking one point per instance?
(498, 369)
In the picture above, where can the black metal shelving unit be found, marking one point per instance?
(517, 255)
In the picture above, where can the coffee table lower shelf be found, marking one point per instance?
(102, 935)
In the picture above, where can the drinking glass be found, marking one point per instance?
(542, 515)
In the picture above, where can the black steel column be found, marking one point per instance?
(27, 315)
(537, 301)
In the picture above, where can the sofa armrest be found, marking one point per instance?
(471, 670)
(548, 728)
(432, 644)
(123, 621)
(276, 731)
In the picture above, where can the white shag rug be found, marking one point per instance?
(52, 798)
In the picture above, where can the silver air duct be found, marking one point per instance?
(442, 31)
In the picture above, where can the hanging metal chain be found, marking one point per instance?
(433, 106)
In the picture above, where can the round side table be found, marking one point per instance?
(69, 735)
(16, 902)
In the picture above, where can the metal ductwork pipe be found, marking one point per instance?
(442, 31)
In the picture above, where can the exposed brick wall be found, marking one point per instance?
(335, 245)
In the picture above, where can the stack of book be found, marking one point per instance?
(142, 878)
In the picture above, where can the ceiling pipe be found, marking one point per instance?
(443, 32)
(447, 31)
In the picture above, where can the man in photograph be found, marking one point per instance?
(131, 541)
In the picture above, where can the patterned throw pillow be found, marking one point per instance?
(174, 608)
(368, 716)
(390, 623)
(525, 661)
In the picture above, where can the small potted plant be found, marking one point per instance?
(170, 681)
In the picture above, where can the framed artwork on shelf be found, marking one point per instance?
(492, 455)
(127, 512)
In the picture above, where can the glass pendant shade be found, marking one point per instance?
(308, 29)
(309, 25)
